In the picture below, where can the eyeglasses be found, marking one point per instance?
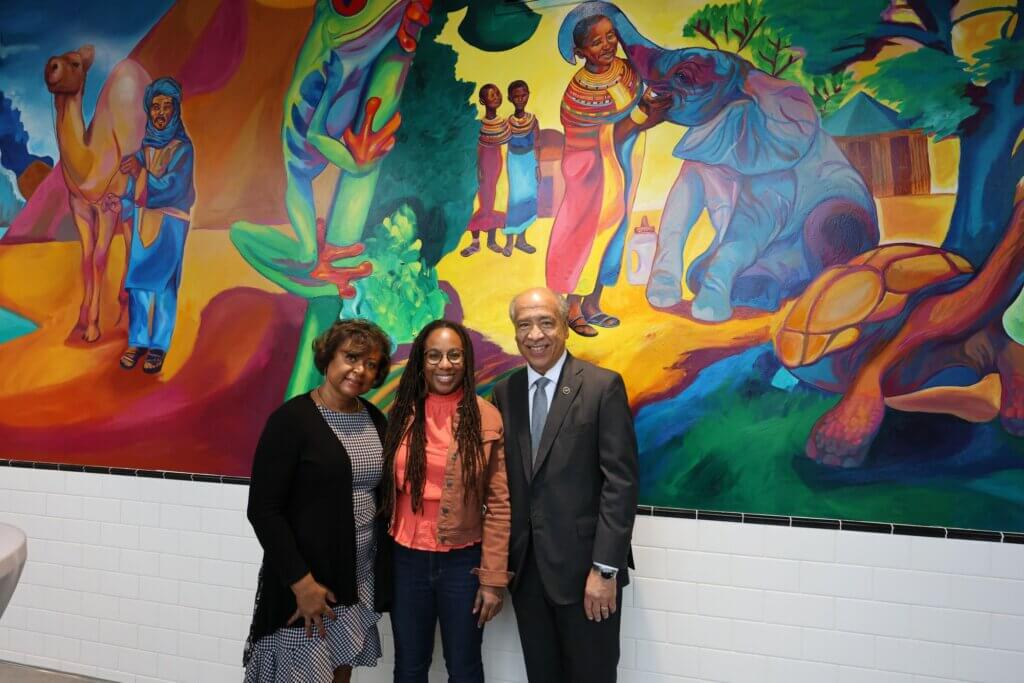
(433, 357)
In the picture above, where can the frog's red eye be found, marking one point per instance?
(348, 8)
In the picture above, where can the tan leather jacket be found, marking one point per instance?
(486, 514)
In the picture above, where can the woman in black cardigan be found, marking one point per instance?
(313, 502)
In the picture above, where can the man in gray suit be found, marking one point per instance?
(571, 455)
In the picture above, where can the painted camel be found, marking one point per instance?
(89, 160)
(891, 320)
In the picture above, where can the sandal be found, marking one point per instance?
(604, 320)
(154, 362)
(130, 357)
(471, 249)
(579, 326)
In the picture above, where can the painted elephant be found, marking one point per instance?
(784, 201)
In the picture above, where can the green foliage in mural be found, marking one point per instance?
(401, 295)
(929, 89)
(713, 467)
(492, 26)
(833, 35)
(432, 168)
(972, 97)
(999, 59)
(744, 28)
(433, 165)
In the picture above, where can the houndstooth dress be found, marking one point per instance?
(287, 655)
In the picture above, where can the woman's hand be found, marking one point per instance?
(313, 604)
(487, 604)
(655, 106)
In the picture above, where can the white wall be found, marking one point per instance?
(141, 579)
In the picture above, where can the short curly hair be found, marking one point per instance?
(364, 334)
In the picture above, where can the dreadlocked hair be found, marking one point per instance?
(407, 419)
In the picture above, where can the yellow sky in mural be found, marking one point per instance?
(539, 63)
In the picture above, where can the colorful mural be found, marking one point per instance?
(790, 225)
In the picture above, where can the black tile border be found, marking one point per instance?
(771, 520)
(870, 527)
(815, 523)
(720, 516)
(975, 535)
(891, 529)
(917, 530)
(679, 513)
(127, 472)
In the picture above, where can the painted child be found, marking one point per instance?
(523, 170)
(494, 134)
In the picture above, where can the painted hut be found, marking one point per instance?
(891, 156)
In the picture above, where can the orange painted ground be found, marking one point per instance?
(70, 402)
(236, 336)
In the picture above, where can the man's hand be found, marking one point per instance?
(111, 203)
(599, 596)
(131, 166)
(312, 604)
(487, 604)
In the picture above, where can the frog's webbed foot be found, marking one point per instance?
(339, 276)
(417, 15)
(367, 146)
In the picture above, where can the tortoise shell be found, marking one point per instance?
(831, 314)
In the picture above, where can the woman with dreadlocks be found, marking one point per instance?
(449, 507)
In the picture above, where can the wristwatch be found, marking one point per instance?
(606, 572)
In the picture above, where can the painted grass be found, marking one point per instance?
(747, 454)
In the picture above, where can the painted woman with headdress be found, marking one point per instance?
(604, 111)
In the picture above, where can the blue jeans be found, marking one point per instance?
(429, 587)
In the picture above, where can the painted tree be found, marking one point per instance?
(744, 28)
(14, 154)
(978, 99)
(431, 168)
(10, 203)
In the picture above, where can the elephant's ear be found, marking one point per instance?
(771, 131)
(497, 26)
(638, 48)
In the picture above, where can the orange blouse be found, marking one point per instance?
(418, 530)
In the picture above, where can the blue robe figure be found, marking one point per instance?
(522, 174)
(157, 202)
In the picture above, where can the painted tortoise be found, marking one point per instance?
(893, 319)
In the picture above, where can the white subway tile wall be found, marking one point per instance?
(143, 580)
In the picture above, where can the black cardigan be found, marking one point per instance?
(300, 505)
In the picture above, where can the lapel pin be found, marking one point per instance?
(566, 390)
